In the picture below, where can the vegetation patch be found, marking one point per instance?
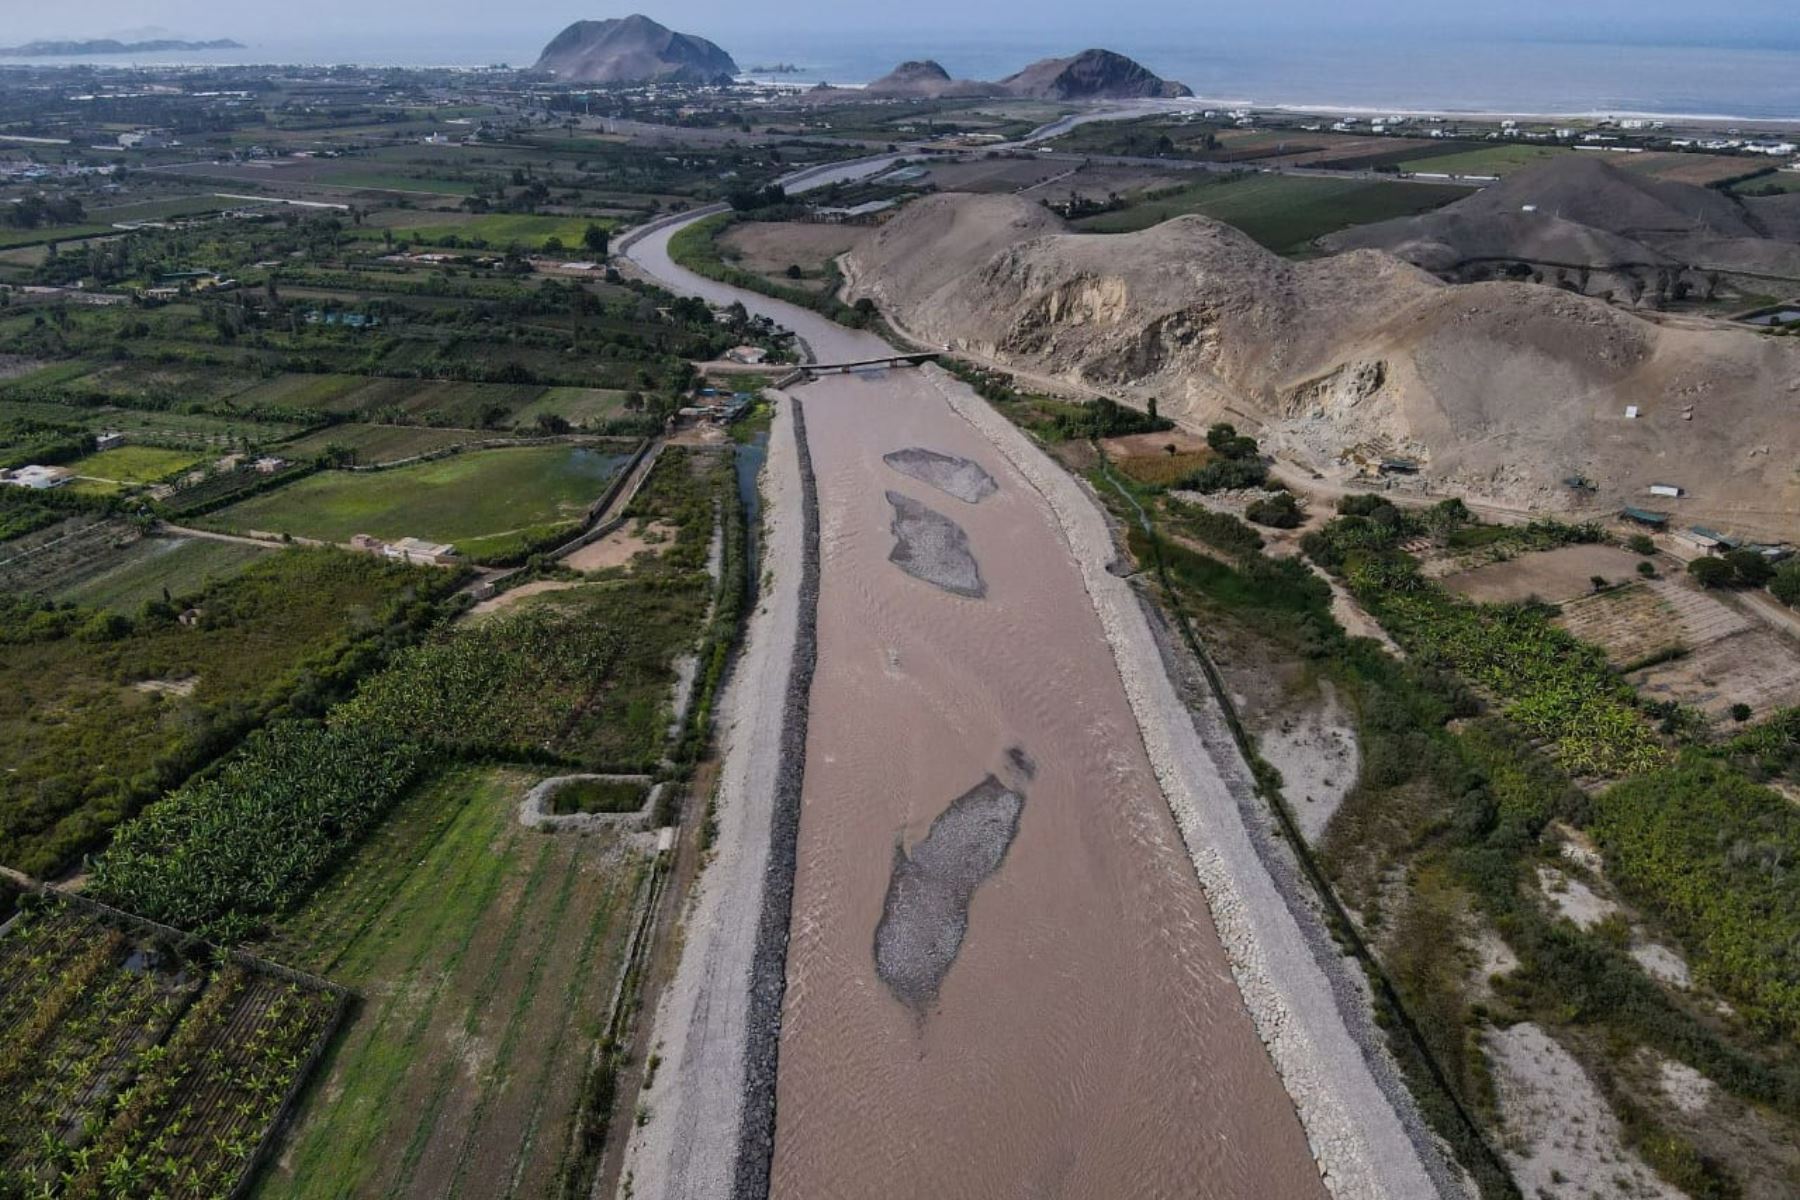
(1285, 213)
(491, 504)
(83, 746)
(136, 1065)
(135, 464)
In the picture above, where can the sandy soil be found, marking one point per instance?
(1314, 747)
(1565, 573)
(1662, 964)
(1573, 898)
(770, 247)
(1562, 1140)
(513, 596)
(1500, 390)
(688, 1148)
(619, 547)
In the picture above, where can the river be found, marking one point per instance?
(1088, 1038)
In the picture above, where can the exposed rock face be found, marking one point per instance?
(1091, 75)
(1501, 390)
(633, 49)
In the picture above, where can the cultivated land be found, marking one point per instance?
(1494, 899)
(1283, 212)
(153, 567)
(489, 503)
(486, 954)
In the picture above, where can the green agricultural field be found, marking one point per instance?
(149, 568)
(1286, 213)
(99, 714)
(579, 406)
(134, 464)
(489, 503)
(198, 428)
(462, 929)
(393, 181)
(379, 443)
(499, 230)
(1498, 159)
(299, 391)
(1768, 185)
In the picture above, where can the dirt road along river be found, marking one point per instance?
(1087, 1037)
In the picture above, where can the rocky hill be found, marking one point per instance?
(1091, 75)
(633, 49)
(95, 47)
(1579, 210)
(927, 80)
(1500, 390)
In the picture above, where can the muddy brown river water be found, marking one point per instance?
(1087, 1039)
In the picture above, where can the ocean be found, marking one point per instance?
(1747, 78)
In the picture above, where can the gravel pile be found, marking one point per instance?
(926, 912)
(930, 546)
(958, 477)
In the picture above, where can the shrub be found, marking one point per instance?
(1711, 572)
(1785, 586)
(1640, 543)
(1750, 568)
(1279, 511)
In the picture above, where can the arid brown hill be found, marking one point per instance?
(1500, 390)
(1579, 210)
(633, 49)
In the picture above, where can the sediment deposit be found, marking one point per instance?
(930, 546)
(927, 908)
(959, 477)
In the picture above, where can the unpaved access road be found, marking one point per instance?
(1092, 1035)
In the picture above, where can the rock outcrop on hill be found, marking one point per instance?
(927, 80)
(1499, 390)
(1091, 75)
(1581, 211)
(634, 49)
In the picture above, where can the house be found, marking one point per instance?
(1399, 466)
(1665, 489)
(108, 441)
(368, 543)
(1695, 540)
(268, 465)
(751, 356)
(1643, 516)
(421, 552)
(38, 478)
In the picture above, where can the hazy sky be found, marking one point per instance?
(1709, 21)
